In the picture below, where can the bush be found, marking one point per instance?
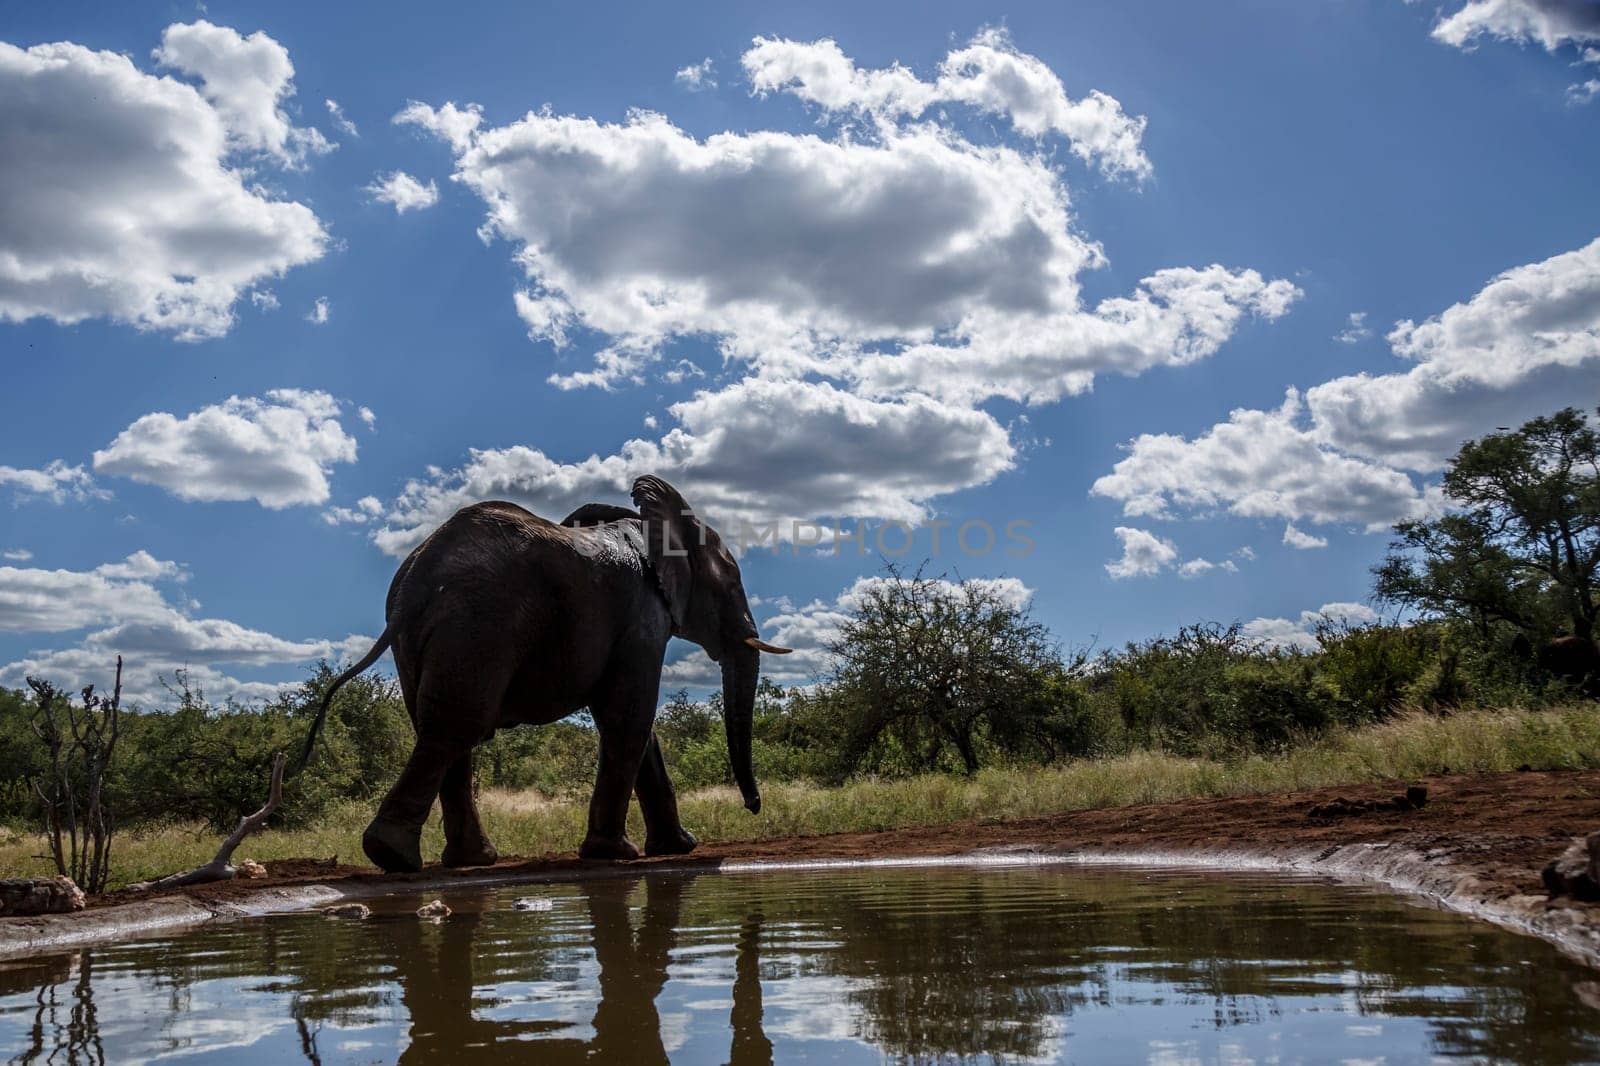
(1206, 691)
(1374, 669)
(203, 762)
(695, 745)
(22, 757)
(557, 759)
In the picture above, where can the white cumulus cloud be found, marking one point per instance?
(1552, 24)
(1524, 345)
(247, 80)
(403, 191)
(455, 125)
(1296, 538)
(1584, 91)
(124, 197)
(757, 451)
(277, 450)
(1190, 569)
(867, 285)
(697, 76)
(1176, 316)
(367, 509)
(58, 601)
(1144, 554)
(1549, 23)
(1300, 633)
(912, 257)
(988, 74)
(340, 119)
(1356, 329)
(129, 614)
(1259, 464)
(56, 482)
(1352, 449)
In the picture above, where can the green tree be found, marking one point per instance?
(931, 666)
(1521, 542)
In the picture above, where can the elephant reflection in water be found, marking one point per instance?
(750, 1043)
(437, 983)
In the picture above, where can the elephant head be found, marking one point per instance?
(700, 581)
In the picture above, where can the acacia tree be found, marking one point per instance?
(1521, 542)
(935, 664)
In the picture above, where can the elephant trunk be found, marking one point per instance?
(740, 670)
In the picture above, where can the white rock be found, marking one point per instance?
(437, 909)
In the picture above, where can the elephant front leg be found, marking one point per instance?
(664, 832)
(622, 749)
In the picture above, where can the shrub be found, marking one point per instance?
(1374, 668)
(1206, 691)
(558, 759)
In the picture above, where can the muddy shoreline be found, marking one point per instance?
(1477, 846)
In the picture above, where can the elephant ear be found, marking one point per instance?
(668, 536)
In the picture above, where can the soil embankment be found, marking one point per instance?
(1477, 845)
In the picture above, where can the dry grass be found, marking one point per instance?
(526, 823)
(504, 801)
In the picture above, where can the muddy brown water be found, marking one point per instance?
(1039, 963)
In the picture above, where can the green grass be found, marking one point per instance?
(528, 824)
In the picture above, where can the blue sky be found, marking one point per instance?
(816, 285)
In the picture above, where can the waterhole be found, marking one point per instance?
(1016, 964)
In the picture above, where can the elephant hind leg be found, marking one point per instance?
(465, 842)
(393, 840)
(447, 729)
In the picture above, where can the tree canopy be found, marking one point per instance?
(937, 665)
(1520, 543)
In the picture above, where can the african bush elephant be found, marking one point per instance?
(502, 618)
(1575, 660)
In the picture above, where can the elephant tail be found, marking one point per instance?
(367, 660)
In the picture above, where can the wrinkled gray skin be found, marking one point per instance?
(502, 618)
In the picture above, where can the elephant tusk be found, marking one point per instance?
(761, 645)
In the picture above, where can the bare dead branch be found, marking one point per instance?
(221, 867)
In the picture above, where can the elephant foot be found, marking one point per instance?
(481, 853)
(392, 847)
(680, 844)
(608, 849)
